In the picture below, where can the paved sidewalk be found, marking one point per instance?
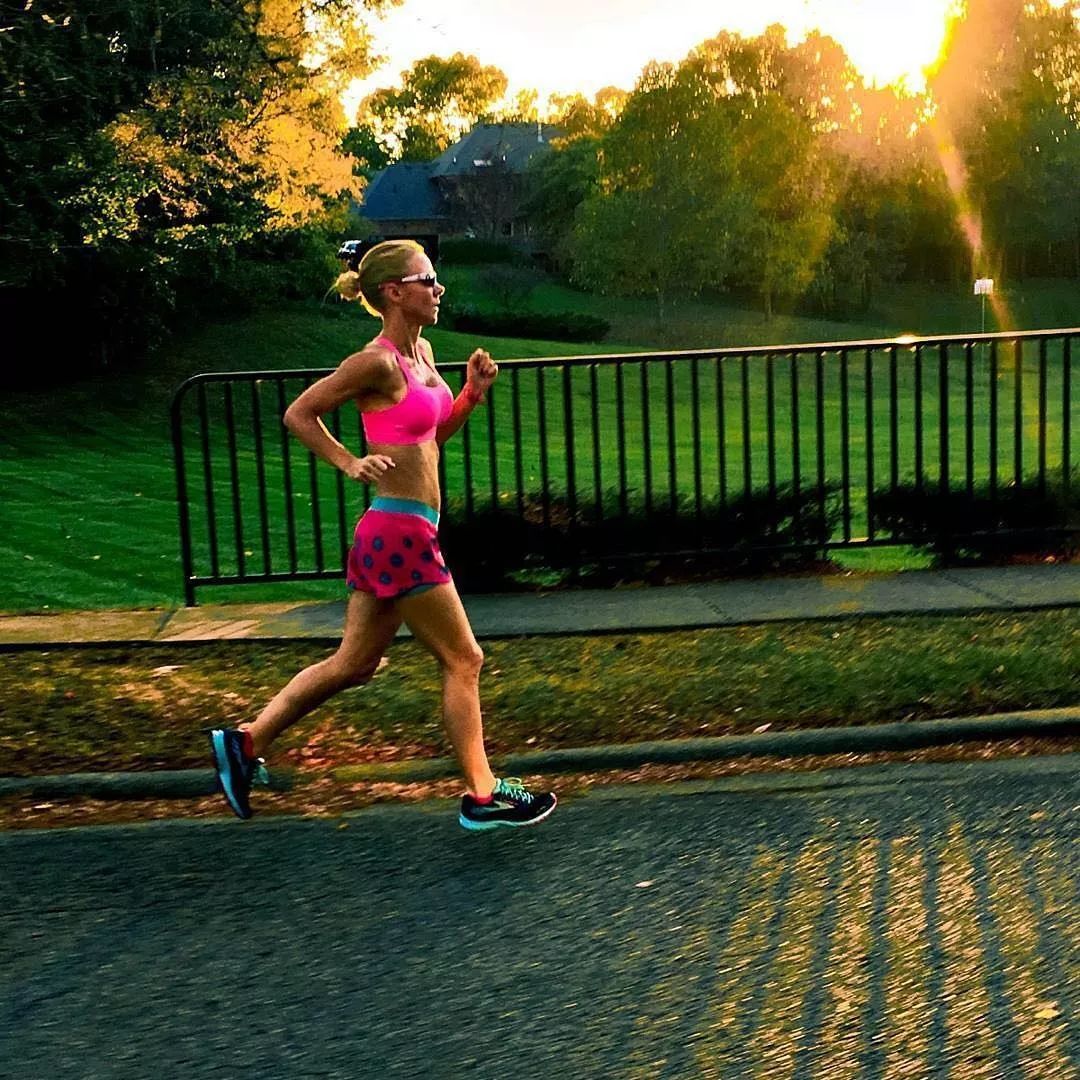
(722, 603)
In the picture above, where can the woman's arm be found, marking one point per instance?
(362, 373)
(482, 372)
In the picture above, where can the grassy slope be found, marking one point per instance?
(89, 512)
(923, 310)
(89, 519)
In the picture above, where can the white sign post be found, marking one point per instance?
(984, 287)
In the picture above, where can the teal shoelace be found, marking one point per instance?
(513, 788)
(261, 775)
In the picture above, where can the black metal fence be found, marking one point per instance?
(763, 449)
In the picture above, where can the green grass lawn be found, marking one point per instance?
(98, 709)
(923, 310)
(89, 519)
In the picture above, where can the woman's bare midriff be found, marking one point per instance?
(415, 474)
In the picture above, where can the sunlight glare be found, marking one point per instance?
(889, 42)
(554, 49)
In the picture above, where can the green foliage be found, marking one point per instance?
(511, 286)
(502, 547)
(472, 251)
(709, 176)
(577, 117)
(291, 264)
(439, 99)
(370, 155)
(755, 165)
(659, 220)
(549, 326)
(1008, 98)
(556, 184)
(787, 192)
(145, 149)
(961, 526)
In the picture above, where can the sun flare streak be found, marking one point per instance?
(955, 172)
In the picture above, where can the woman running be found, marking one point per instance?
(396, 571)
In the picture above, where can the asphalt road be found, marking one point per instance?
(902, 921)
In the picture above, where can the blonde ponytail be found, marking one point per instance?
(348, 285)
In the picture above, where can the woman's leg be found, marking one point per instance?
(438, 621)
(370, 626)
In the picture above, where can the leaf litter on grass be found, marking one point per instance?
(135, 709)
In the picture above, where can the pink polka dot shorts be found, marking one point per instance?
(395, 550)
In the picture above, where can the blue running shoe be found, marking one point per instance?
(511, 806)
(236, 772)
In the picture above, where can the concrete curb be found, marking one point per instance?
(161, 784)
(911, 736)
(194, 783)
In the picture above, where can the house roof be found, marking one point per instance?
(403, 191)
(512, 144)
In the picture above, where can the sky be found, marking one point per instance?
(563, 46)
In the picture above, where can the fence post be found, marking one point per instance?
(184, 511)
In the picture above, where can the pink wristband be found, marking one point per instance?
(472, 396)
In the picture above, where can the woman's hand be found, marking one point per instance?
(368, 469)
(481, 373)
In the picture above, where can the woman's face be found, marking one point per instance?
(418, 299)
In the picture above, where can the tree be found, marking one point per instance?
(524, 108)
(143, 144)
(658, 221)
(368, 153)
(787, 190)
(438, 101)
(786, 107)
(556, 184)
(723, 177)
(1007, 92)
(574, 115)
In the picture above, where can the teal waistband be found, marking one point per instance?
(405, 506)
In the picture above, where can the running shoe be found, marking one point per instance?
(236, 772)
(511, 806)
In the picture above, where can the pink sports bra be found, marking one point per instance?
(416, 416)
